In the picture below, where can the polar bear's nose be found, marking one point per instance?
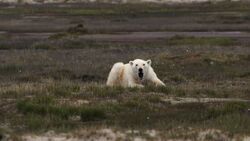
(140, 69)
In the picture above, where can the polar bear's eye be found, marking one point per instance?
(136, 65)
(143, 64)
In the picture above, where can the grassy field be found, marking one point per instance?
(52, 78)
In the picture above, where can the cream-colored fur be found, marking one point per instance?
(127, 75)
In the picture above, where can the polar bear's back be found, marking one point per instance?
(116, 74)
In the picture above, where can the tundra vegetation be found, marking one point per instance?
(52, 76)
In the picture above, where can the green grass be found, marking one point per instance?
(72, 40)
(42, 45)
(91, 12)
(1, 134)
(52, 115)
(128, 9)
(100, 91)
(54, 85)
(133, 111)
(72, 32)
(92, 114)
(96, 90)
(70, 89)
(63, 89)
(125, 109)
(201, 41)
(57, 36)
(47, 107)
(10, 69)
(4, 37)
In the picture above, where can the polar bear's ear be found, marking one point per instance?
(131, 63)
(149, 62)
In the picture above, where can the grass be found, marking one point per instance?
(66, 106)
(127, 9)
(109, 92)
(47, 107)
(10, 69)
(212, 66)
(92, 114)
(60, 81)
(134, 112)
(93, 91)
(63, 90)
(72, 32)
(72, 40)
(201, 41)
(40, 45)
(4, 37)
(89, 11)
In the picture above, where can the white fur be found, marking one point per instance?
(126, 75)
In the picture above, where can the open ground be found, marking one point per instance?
(55, 59)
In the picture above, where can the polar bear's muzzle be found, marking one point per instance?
(140, 74)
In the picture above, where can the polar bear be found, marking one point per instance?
(133, 74)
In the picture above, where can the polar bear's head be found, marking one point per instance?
(140, 67)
